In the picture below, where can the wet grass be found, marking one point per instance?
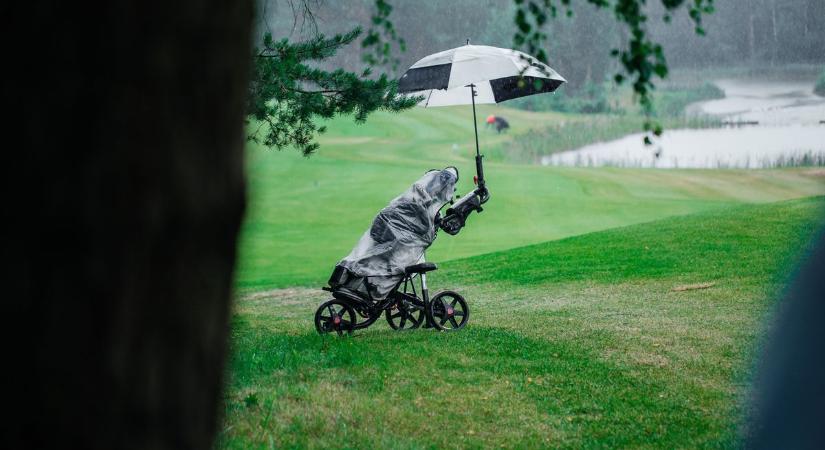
(600, 338)
(304, 214)
(576, 343)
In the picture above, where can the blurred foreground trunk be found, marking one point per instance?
(125, 122)
(788, 403)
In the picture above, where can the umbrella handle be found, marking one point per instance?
(479, 164)
(480, 171)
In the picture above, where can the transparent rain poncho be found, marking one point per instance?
(399, 234)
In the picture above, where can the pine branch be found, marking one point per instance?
(280, 98)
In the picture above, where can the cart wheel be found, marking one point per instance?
(406, 314)
(335, 316)
(448, 311)
(362, 321)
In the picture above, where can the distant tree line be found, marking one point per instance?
(743, 32)
(738, 32)
(311, 54)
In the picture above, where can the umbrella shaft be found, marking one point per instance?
(479, 168)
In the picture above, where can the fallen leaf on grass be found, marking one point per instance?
(690, 287)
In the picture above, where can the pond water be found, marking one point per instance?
(768, 103)
(770, 124)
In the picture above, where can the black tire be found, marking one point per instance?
(335, 316)
(448, 311)
(363, 320)
(406, 314)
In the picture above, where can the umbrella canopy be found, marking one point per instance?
(492, 75)
(495, 74)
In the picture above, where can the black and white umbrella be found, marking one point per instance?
(499, 74)
(473, 74)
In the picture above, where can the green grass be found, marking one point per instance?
(576, 338)
(575, 343)
(304, 214)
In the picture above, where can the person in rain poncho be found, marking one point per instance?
(399, 234)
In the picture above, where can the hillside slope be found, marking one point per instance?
(304, 214)
(577, 343)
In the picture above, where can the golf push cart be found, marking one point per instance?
(379, 276)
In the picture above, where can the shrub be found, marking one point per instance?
(589, 99)
(671, 102)
(819, 88)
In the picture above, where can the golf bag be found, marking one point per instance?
(398, 237)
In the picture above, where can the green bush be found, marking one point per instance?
(819, 89)
(589, 99)
(596, 98)
(671, 102)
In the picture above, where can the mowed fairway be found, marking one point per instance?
(576, 343)
(305, 214)
(577, 337)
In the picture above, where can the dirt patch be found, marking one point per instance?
(694, 286)
(283, 297)
(281, 293)
(819, 173)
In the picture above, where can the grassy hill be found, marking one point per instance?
(305, 214)
(577, 343)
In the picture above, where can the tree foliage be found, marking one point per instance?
(642, 59)
(380, 36)
(287, 94)
(639, 33)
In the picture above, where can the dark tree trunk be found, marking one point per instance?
(788, 401)
(126, 124)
